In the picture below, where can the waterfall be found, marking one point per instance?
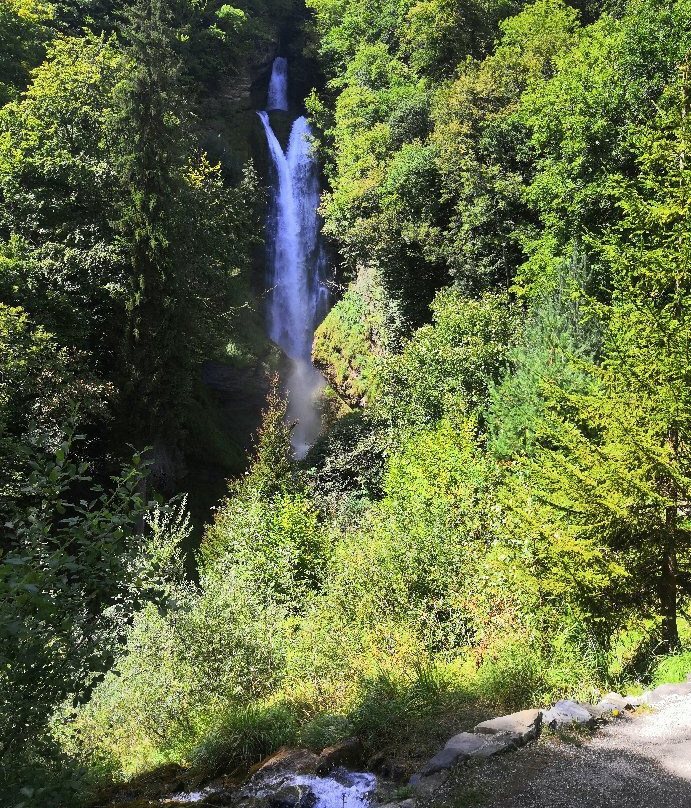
(277, 97)
(298, 296)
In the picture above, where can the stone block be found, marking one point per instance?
(522, 726)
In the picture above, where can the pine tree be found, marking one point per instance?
(614, 486)
(153, 134)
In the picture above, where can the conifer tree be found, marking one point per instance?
(152, 136)
(616, 478)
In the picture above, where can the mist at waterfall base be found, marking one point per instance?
(298, 297)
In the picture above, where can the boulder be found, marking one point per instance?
(622, 702)
(349, 751)
(389, 769)
(591, 708)
(566, 712)
(637, 701)
(444, 759)
(292, 797)
(495, 745)
(521, 727)
(467, 745)
(424, 786)
(295, 761)
(614, 703)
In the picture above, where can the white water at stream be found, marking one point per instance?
(341, 789)
(298, 295)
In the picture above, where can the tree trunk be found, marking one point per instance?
(668, 586)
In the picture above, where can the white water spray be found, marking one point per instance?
(298, 297)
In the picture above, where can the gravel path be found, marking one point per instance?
(639, 761)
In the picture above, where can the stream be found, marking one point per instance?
(284, 789)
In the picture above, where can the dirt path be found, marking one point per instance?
(642, 761)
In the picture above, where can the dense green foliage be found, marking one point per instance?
(497, 512)
(121, 250)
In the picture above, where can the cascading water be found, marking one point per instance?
(298, 297)
(277, 96)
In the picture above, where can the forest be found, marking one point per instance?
(497, 509)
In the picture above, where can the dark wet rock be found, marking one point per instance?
(349, 752)
(219, 799)
(292, 797)
(521, 727)
(386, 767)
(409, 803)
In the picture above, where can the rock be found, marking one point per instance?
(467, 745)
(389, 769)
(295, 761)
(444, 759)
(612, 702)
(496, 745)
(292, 797)
(424, 786)
(350, 751)
(664, 692)
(219, 799)
(592, 710)
(566, 712)
(620, 701)
(522, 726)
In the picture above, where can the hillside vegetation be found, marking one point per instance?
(498, 510)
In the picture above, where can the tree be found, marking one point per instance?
(614, 481)
(153, 127)
(22, 35)
(556, 337)
(184, 231)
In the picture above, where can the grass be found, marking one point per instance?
(403, 793)
(243, 737)
(672, 668)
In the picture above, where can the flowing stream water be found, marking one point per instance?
(340, 789)
(296, 265)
